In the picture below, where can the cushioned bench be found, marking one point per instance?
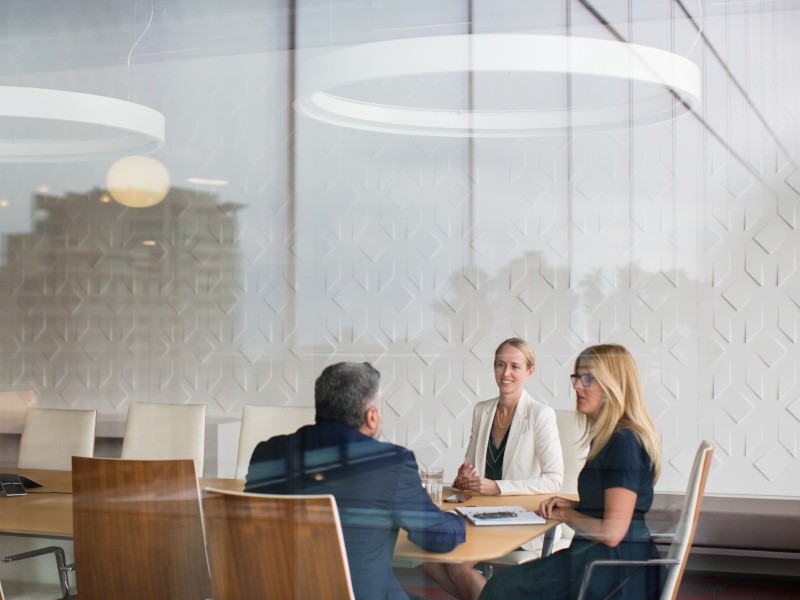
(764, 530)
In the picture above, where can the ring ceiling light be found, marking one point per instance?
(667, 73)
(42, 125)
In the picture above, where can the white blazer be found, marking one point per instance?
(532, 463)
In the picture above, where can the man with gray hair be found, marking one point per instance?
(376, 485)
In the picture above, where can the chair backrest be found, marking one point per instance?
(264, 546)
(13, 405)
(137, 530)
(262, 422)
(17, 401)
(165, 431)
(687, 525)
(569, 431)
(52, 436)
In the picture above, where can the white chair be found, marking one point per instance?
(13, 405)
(52, 436)
(678, 554)
(572, 449)
(165, 432)
(574, 453)
(17, 401)
(262, 422)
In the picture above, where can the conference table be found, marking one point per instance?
(486, 542)
(47, 512)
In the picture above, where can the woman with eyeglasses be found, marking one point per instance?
(513, 449)
(615, 488)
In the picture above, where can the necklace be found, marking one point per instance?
(496, 459)
(497, 420)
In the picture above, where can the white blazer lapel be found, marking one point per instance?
(484, 431)
(519, 425)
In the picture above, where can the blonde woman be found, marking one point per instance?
(513, 449)
(615, 489)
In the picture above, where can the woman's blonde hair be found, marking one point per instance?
(520, 345)
(615, 371)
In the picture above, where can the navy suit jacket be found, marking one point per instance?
(377, 489)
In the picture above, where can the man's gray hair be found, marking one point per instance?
(343, 392)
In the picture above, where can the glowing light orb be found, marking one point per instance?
(138, 181)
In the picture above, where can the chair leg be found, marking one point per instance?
(61, 564)
(488, 570)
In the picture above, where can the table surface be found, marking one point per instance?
(47, 512)
(485, 542)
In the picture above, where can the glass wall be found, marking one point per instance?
(286, 243)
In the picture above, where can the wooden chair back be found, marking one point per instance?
(687, 525)
(137, 530)
(156, 431)
(52, 436)
(265, 546)
(262, 422)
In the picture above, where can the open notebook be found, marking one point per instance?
(500, 515)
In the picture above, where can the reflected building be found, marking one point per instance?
(104, 304)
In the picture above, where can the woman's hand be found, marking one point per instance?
(609, 530)
(550, 508)
(466, 472)
(468, 480)
(481, 485)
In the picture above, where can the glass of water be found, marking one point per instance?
(433, 480)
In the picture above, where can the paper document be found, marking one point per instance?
(500, 515)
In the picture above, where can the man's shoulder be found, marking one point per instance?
(376, 448)
(326, 434)
(272, 446)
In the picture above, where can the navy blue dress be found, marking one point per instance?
(623, 463)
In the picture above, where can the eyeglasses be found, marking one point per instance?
(587, 379)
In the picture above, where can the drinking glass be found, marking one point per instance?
(433, 481)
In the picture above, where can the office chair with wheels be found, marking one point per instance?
(678, 554)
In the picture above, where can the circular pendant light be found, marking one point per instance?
(664, 76)
(42, 125)
(138, 181)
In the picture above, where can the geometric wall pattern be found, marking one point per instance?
(679, 240)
